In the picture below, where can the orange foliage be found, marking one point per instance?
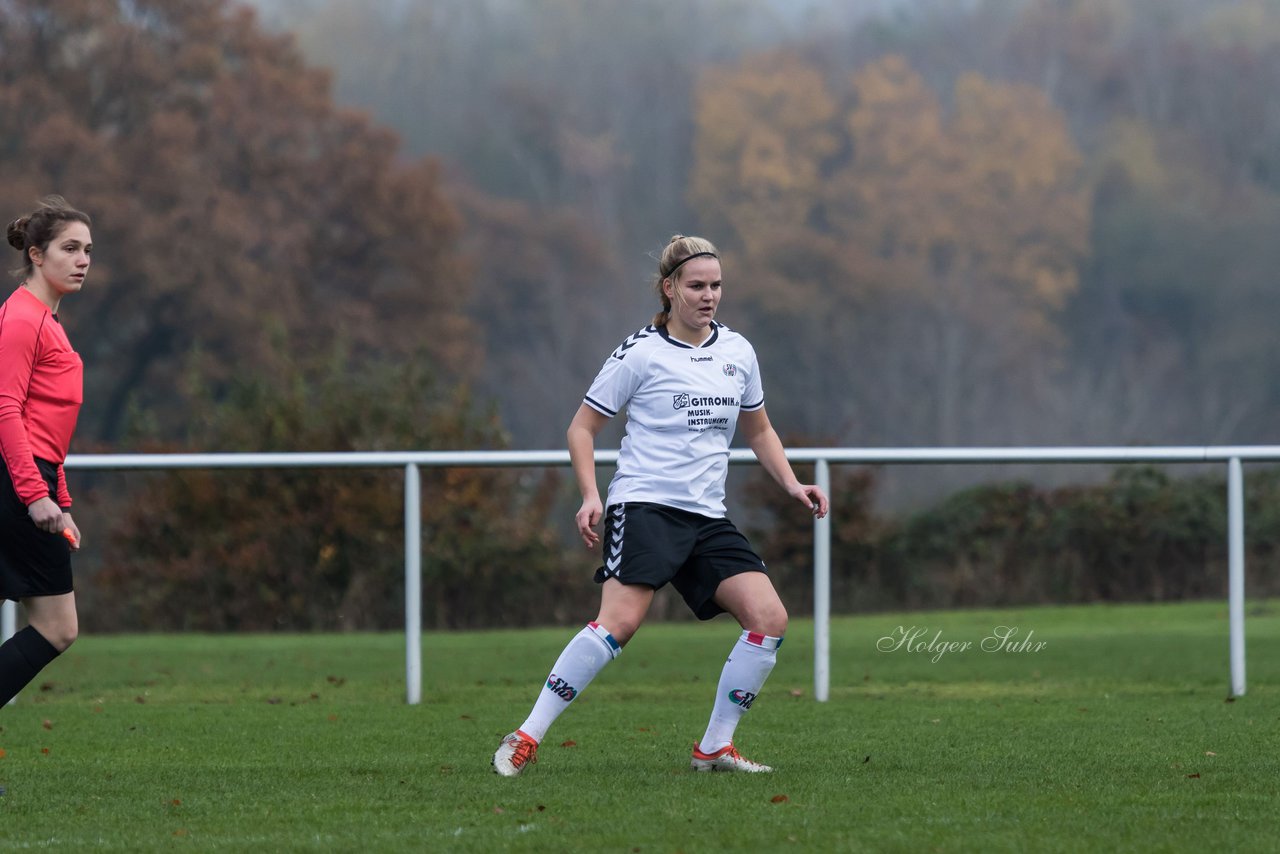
(230, 196)
(870, 200)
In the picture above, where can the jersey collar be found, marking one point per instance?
(711, 339)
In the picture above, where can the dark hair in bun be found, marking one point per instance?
(40, 227)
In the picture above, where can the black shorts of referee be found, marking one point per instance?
(653, 545)
(32, 562)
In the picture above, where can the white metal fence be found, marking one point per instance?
(823, 458)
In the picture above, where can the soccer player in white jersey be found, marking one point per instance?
(686, 383)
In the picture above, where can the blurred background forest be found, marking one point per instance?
(415, 224)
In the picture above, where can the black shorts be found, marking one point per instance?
(652, 544)
(32, 562)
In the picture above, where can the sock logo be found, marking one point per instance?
(742, 698)
(563, 689)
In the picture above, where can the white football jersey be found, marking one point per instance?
(682, 407)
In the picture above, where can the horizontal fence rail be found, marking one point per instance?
(413, 461)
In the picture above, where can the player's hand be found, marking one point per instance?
(587, 518)
(813, 498)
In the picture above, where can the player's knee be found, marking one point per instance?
(59, 633)
(775, 622)
(622, 629)
(767, 619)
(64, 637)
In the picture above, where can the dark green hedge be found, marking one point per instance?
(1142, 536)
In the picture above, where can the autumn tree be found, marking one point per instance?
(565, 106)
(1175, 104)
(228, 193)
(930, 246)
(542, 283)
(270, 274)
(574, 120)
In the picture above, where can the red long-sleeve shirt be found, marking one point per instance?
(41, 389)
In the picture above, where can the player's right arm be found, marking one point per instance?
(586, 424)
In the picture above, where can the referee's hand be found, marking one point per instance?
(46, 513)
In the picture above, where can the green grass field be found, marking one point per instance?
(1116, 735)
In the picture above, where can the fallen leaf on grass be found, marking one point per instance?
(1210, 753)
(176, 802)
(47, 724)
(182, 831)
(1, 753)
(865, 761)
(48, 686)
(336, 680)
(779, 799)
(542, 808)
(140, 699)
(1195, 776)
(796, 692)
(498, 810)
(569, 743)
(273, 701)
(1229, 700)
(44, 751)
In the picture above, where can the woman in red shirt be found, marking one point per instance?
(41, 388)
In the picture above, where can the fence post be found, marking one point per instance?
(1235, 571)
(412, 584)
(822, 592)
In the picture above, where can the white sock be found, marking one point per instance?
(746, 669)
(583, 657)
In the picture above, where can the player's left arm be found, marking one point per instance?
(763, 441)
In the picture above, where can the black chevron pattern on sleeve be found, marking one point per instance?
(622, 350)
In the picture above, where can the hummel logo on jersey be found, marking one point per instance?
(742, 698)
(702, 358)
(562, 689)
